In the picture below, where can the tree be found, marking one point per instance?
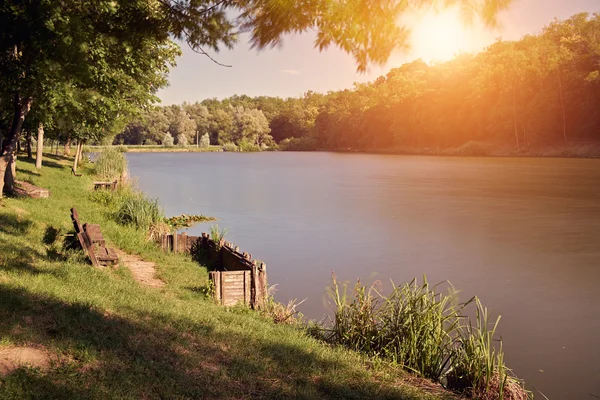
(205, 141)
(167, 140)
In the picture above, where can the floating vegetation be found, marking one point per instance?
(185, 221)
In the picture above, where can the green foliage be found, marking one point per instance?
(110, 164)
(229, 146)
(244, 145)
(425, 331)
(521, 96)
(299, 144)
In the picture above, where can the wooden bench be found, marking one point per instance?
(106, 185)
(92, 242)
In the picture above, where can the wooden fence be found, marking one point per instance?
(236, 277)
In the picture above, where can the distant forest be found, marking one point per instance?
(542, 90)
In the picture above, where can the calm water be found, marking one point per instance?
(522, 234)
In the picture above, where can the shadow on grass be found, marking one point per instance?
(14, 255)
(46, 162)
(159, 356)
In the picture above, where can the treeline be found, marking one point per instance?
(541, 90)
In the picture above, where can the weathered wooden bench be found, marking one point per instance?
(106, 185)
(93, 243)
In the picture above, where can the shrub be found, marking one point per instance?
(122, 148)
(110, 164)
(204, 141)
(168, 140)
(230, 146)
(244, 145)
(182, 140)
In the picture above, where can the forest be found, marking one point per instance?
(542, 90)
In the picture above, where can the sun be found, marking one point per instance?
(439, 36)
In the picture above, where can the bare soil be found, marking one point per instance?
(12, 358)
(143, 271)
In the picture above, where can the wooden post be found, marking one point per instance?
(183, 247)
(216, 280)
(175, 242)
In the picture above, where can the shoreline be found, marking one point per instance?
(470, 149)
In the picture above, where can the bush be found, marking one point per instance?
(168, 140)
(298, 144)
(110, 164)
(229, 146)
(182, 140)
(244, 145)
(122, 148)
(204, 141)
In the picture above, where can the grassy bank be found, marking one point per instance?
(160, 149)
(109, 337)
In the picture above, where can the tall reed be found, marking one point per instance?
(136, 209)
(428, 333)
(110, 164)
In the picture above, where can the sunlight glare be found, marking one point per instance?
(440, 36)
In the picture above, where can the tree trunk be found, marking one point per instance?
(8, 157)
(39, 152)
(29, 155)
(515, 117)
(562, 105)
(67, 149)
(77, 156)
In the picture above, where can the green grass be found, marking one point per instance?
(110, 338)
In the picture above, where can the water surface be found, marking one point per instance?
(522, 234)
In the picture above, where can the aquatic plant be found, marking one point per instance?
(185, 221)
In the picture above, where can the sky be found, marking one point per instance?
(297, 67)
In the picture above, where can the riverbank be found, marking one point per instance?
(161, 149)
(103, 335)
(482, 149)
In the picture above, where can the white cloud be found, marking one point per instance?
(291, 71)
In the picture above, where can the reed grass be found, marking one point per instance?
(110, 164)
(140, 211)
(427, 332)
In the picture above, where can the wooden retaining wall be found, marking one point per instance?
(236, 277)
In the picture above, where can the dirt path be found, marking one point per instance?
(142, 271)
(12, 358)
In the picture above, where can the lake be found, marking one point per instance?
(522, 234)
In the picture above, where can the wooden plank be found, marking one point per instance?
(247, 288)
(89, 248)
(175, 243)
(94, 233)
